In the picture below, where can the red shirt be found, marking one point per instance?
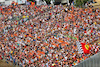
(1, 9)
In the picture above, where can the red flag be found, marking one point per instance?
(32, 3)
(86, 48)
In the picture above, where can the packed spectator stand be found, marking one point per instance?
(46, 36)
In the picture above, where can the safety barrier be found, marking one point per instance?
(93, 61)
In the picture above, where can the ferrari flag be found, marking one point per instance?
(32, 3)
(86, 48)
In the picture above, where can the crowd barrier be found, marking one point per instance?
(93, 61)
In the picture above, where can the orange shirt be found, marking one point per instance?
(15, 34)
(28, 40)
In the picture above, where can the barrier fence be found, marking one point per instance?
(93, 61)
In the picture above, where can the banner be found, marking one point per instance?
(86, 48)
(83, 47)
(70, 37)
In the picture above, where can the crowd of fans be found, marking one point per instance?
(45, 36)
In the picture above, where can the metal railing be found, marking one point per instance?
(93, 61)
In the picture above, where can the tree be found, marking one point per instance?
(79, 3)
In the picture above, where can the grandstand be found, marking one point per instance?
(49, 35)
